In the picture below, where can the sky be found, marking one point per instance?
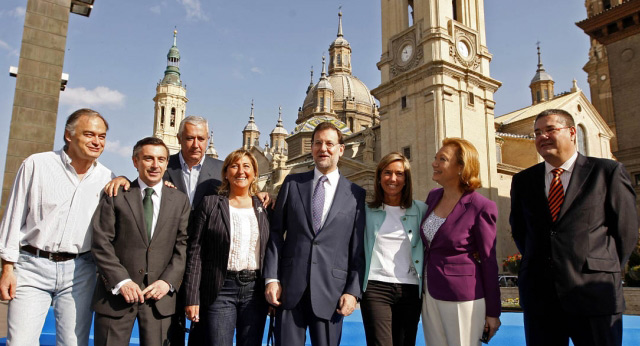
(236, 51)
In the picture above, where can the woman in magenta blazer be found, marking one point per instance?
(461, 295)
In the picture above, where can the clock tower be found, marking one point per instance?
(435, 83)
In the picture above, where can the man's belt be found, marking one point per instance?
(243, 276)
(51, 256)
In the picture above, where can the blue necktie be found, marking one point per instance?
(318, 204)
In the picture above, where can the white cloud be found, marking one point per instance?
(7, 47)
(257, 70)
(118, 149)
(155, 9)
(17, 12)
(98, 97)
(194, 10)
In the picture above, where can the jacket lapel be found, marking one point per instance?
(456, 214)
(581, 171)
(223, 204)
(134, 199)
(163, 213)
(305, 189)
(174, 169)
(538, 191)
(339, 200)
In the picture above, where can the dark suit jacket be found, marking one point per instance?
(208, 181)
(122, 249)
(452, 270)
(209, 246)
(580, 256)
(330, 263)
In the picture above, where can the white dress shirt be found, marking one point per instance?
(244, 247)
(190, 176)
(49, 207)
(565, 177)
(330, 186)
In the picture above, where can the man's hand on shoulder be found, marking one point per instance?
(346, 304)
(111, 189)
(8, 281)
(266, 199)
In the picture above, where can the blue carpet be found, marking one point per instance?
(511, 332)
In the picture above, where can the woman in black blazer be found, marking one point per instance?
(227, 241)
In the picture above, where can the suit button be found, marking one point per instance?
(417, 261)
(140, 271)
(409, 231)
(553, 233)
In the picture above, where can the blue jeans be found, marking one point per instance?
(68, 285)
(238, 306)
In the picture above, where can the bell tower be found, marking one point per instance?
(435, 83)
(170, 101)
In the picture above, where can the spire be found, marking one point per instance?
(541, 74)
(340, 22)
(324, 81)
(280, 113)
(251, 125)
(311, 82)
(540, 68)
(211, 150)
(324, 73)
(542, 83)
(172, 72)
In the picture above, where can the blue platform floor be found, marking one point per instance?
(511, 332)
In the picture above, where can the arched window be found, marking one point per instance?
(173, 118)
(162, 117)
(410, 12)
(582, 140)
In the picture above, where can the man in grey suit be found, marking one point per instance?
(314, 262)
(574, 220)
(139, 245)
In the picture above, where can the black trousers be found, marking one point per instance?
(391, 313)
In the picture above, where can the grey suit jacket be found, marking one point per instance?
(208, 181)
(329, 263)
(579, 257)
(122, 250)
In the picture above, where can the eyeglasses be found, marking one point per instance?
(329, 145)
(548, 132)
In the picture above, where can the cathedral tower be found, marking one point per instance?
(541, 84)
(435, 83)
(279, 133)
(250, 134)
(170, 101)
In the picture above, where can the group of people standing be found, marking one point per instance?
(193, 234)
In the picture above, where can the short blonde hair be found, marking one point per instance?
(231, 159)
(467, 157)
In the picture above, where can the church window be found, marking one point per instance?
(321, 103)
(339, 59)
(410, 12)
(406, 151)
(606, 4)
(637, 179)
(162, 116)
(454, 5)
(582, 140)
(351, 124)
(173, 118)
(471, 98)
(538, 95)
(546, 94)
(404, 102)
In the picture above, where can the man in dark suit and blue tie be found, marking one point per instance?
(574, 220)
(314, 262)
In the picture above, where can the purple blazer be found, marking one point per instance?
(461, 260)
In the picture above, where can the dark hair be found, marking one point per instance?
(327, 126)
(148, 141)
(564, 115)
(407, 189)
(467, 157)
(228, 161)
(72, 121)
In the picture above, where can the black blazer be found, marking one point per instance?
(208, 181)
(209, 246)
(580, 256)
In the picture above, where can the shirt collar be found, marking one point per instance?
(184, 165)
(66, 160)
(332, 177)
(567, 165)
(157, 188)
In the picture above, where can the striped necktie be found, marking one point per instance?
(556, 194)
(318, 204)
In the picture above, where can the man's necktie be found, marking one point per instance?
(556, 194)
(147, 203)
(318, 204)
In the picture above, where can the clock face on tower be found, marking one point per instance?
(406, 53)
(463, 49)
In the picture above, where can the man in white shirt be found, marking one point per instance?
(139, 244)
(45, 235)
